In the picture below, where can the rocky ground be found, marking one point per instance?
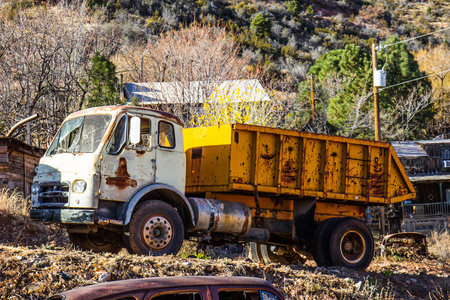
(36, 262)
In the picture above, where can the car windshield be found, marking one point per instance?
(80, 135)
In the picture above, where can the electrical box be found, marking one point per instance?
(379, 79)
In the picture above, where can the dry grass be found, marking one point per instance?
(14, 203)
(439, 245)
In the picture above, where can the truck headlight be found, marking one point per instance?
(79, 186)
(35, 188)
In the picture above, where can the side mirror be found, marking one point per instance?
(135, 130)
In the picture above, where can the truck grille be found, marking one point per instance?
(54, 192)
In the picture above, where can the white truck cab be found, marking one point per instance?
(101, 163)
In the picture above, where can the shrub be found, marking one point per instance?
(294, 7)
(261, 25)
(14, 203)
(289, 51)
(439, 245)
(310, 10)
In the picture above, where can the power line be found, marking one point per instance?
(382, 89)
(417, 37)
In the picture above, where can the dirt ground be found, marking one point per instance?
(36, 262)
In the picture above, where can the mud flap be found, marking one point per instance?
(303, 227)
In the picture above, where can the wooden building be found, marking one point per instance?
(17, 164)
(427, 164)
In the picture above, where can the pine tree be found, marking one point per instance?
(102, 83)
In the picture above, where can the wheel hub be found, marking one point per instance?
(353, 246)
(157, 232)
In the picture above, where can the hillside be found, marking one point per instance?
(36, 261)
(60, 56)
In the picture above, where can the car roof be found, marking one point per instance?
(121, 286)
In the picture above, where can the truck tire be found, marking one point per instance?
(92, 242)
(321, 242)
(268, 254)
(351, 244)
(156, 228)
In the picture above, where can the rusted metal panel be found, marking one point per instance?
(336, 170)
(290, 162)
(328, 210)
(296, 164)
(138, 287)
(412, 240)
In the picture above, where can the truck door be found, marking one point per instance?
(125, 167)
(170, 155)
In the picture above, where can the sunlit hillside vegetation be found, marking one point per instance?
(60, 56)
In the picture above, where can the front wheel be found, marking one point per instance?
(156, 228)
(351, 244)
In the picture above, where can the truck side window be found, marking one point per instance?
(145, 142)
(119, 137)
(166, 135)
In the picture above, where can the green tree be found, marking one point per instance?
(102, 84)
(294, 7)
(352, 66)
(261, 25)
(349, 108)
(400, 66)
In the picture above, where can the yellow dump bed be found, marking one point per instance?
(276, 162)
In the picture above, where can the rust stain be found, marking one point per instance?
(268, 156)
(123, 179)
(289, 173)
(122, 169)
(216, 214)
(121, 182)
(245, 227)
(140, 152)
(376, 180)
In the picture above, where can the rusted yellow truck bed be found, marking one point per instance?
(241, 158)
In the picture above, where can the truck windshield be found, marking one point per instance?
(80, 135)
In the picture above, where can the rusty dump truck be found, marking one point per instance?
(124, 176)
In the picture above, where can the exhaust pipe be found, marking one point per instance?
(17, 125)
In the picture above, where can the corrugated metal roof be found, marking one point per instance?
(408, 149)
(194, 92)
(427, 178)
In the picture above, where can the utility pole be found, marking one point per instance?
(376, 110)
(376, 104)
(313, 109)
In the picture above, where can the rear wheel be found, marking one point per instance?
(267, 254)
(156, 228)
(321, 242)
(351, 244)
(94, 242)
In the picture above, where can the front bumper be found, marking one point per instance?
(69, 216)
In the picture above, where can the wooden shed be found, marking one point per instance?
(18, 161)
